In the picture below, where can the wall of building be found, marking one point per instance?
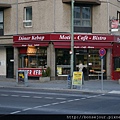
(54, 16)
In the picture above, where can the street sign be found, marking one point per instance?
(102, 52)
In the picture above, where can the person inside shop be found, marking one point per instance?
(80, 66)
(81, 70)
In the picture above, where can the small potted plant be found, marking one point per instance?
(45, 75)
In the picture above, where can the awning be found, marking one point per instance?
(82, 45)
(92, 45)
(62, 44)
(4, 5)
(43, 44)
(95, 2)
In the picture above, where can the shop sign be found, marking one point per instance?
(77, 78)
(33, 72)
(64, 37)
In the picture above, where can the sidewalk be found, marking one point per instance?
(108, 86)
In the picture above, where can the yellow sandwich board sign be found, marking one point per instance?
(77, 78)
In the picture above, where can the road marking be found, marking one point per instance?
(25, 96)
(26, 109)
(48, 97)
(46, 105)
(4, 95)
(76, 99)
(63, 102)
(37, 107)
(15, 95)
(55, 103)
(15, 112)
(36, 97)
(83, 98)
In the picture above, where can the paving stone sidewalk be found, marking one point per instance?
(88, 86)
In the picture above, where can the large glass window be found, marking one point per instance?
(27, 16)
(36, 57)
(63, 61)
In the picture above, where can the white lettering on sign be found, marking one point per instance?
(83, 38)
(98, 38)
(36, 72)
(29, 72)
(64, 37)
(38, 38)
(23, 38)
(31, 38)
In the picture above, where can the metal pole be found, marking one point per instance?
(102, 72)
(72, 38)
(16, 16)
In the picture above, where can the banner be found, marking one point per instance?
(77, 78)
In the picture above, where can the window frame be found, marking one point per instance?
(2, 23)
(27, 21)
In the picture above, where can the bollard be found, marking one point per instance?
(69, 81)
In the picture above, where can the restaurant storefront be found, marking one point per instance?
(37, 51)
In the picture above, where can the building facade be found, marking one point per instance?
(35, 34)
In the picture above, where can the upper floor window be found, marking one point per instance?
(1, 22)
(82, 18)
(27, 16)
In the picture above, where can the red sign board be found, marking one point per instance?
(36, 72)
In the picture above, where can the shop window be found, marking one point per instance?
(63, 62)
(27, 17)
(35, 57)
(1, 22)
(82, 19)
(117, 63)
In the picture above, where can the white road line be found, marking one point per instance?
(63, 102)
(61, 98)
(36, 97)
(46, 105)
(15, 112)
(15, 95)
(37, 107)
(48, 97)
(55, 103)
(4, 95)
(76, 99)
(25, 96)
(26, 109)
(83, 98)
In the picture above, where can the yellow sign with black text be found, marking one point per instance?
(77, 78)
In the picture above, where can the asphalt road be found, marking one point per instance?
(47, 102)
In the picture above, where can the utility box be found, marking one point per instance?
(22, 77)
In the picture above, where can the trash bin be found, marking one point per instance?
(69, 81)
(22, 77)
